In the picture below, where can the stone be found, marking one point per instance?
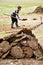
(17, 52)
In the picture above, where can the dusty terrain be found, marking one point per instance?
(20, 62)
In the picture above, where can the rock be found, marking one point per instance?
(38, 53)
(4, 46)
(7, 37)
(17, 52)
(24, 43)
(33, 44)
(30, 41)
(13, 44)
(19, 35)
(18, 40)
(10, 37)
(26, 31)
(1, 54)
(27, 51)
(4, 55)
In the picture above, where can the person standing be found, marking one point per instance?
(15, 17)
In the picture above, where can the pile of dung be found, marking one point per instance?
(39, 9)
(23, 44)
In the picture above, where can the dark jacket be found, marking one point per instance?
(15, 13)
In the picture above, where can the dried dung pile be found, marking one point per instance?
(23, 44)
(39, 9)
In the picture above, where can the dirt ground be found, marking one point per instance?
(38, 33)
(20, 62)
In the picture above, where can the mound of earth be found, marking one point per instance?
(39, 9)
(23, 44)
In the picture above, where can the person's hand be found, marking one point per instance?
(21, 19)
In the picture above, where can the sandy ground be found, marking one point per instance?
(38, 33)
(21, 62)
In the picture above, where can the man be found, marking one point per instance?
(14, 17)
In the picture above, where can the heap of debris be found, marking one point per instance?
(39, 9)
(23, 44)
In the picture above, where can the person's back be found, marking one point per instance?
(15, 13)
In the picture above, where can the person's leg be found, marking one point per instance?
(12, 23)
(16, 23)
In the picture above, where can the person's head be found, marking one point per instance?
(19, 8)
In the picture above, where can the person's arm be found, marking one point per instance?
(17, 13)
(19, 17)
